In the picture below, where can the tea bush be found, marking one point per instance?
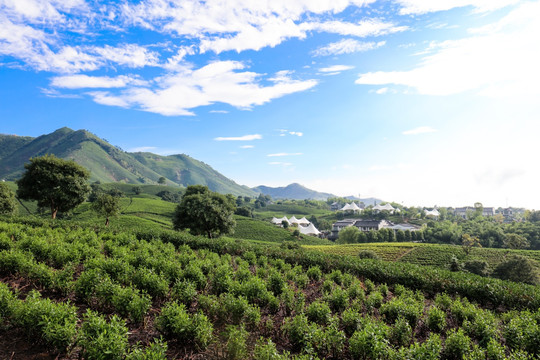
(101, 339)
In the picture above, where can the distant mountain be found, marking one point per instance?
(292, 191)
(108, 163)
(366, 201)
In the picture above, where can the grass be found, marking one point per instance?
(425, 254)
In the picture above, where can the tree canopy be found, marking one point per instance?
(7, 200)
(205, 212)
(107, 205)
(55, 183)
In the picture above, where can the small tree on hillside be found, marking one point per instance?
(107, 206)
(57, 184)
(7, 200)
(468, 242)
(162, 180)
(205, 212)
(515, 241)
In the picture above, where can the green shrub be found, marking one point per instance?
(7, 301)
(457, 344)
(275, 283)
(184, 291)
(54, 323)
(478, 267)
(523, 333)
(193, 273)
(483, 327)
(314, 273)
(338, 299)
(370, 342)
(222, 279)
(157, 350)
(155, 285)
(176, 322)
(350, 320)
(368, 254)
(356, 291)
(401, 332)
(495, 350)
(102, 340)
(266, 351)
(406, 307)
(436, 319)
(374, 300)
(427, 350)
(330, 341)
(318, 312)
(300, 332)
(236, 342)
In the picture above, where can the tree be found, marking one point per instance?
(107, 205)
(7, 200)
(349, 235)
(515, 241)
(60, 185)
(162, 180)
(468, 242)
(137, 190)
(205, 212)
(519, 269)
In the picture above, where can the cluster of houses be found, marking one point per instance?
(304, 225)
(368, 225)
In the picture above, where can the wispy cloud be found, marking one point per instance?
(419, 130)
(247, 146)
(347, 46)
(336, 68)
(85, 81)
(284, 154)
(284, 132)
(240, 138)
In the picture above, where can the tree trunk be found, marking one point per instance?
(106, 221)
(53, 213)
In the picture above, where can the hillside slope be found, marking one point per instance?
(108, 163)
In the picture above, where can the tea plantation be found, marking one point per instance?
(69, 291)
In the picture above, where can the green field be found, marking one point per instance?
(425, 254)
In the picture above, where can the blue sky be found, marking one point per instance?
(421, 102)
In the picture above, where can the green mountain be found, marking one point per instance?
(108, 163)
(292, 191)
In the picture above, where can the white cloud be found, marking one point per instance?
(240, 138)
(218, 111)
(370, 27)
(178, 93)
(247, 146)
(85, 81)
(130, 55)
(284, 154)
(425, 6)
(296, 133)
(105, 98)
(500, 60)
(347, 46)
(382, 91)
(419, 130)
(336, 68)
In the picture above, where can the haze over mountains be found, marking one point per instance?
(108, 163)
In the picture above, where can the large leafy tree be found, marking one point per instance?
(205, 212)
(54, 183)
(7, 200)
